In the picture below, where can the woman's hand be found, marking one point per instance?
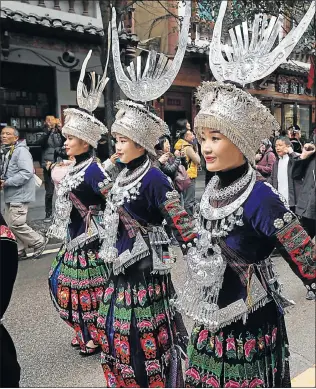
(177, 153)
(164, 158)
(258, 157)
(114, 157)
(48, 165)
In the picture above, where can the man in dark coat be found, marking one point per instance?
(304, 168)
(281, 176)
(10, 368)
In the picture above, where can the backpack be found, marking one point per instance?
(182, 181)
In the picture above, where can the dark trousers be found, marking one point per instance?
(189, 198)
(49, 189)
(309, 226)
(9, 366)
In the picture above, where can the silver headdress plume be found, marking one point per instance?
(159, 72)
(133, 119)
(246, 62)
(82, 123)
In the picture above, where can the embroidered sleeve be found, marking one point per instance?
(110, 168)
(165, 198)
(6, 233)
(99, 180)
(273, 219)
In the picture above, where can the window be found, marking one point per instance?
(288, 115)
(303, 120)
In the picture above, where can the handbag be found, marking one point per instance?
(38, 181)
(182, 181)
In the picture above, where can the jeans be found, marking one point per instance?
(15, 216)
(49, 189)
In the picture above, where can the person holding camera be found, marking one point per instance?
(295, 136)
(52, 141)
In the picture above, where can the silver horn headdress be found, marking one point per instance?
(134, 119)
(82, 123)
(246, 62)
(159, 72)
(231, 110)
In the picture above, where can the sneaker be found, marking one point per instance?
(48, 218)
(39, 251)
(22, 256)
(310, 295)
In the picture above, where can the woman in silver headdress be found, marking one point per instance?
(77, 275)
(137, 325)
(232, 291)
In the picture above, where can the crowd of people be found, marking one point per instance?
(120, 217)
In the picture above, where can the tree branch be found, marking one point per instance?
(166, 9)
(158, 20)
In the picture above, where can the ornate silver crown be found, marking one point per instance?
(236, 114)
(135, 122)
(247, 62)
(159, 72)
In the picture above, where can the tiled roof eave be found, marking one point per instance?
(46, 21)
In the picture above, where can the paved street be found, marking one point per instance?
(43, 340)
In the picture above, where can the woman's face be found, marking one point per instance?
(75, 146)
(219, 152)
(166, 146)
(262, 149)
(126, 149)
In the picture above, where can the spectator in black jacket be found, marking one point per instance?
(168, 162)
(305, 168)
(52, 142)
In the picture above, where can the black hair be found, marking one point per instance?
(159, 146)
(181, 124)
(284, 139)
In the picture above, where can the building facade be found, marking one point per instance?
(43, 45)
(284, 92)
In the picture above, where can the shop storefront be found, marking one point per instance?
(27, 95)
(286, 97)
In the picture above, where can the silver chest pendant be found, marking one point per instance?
(206, 265)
